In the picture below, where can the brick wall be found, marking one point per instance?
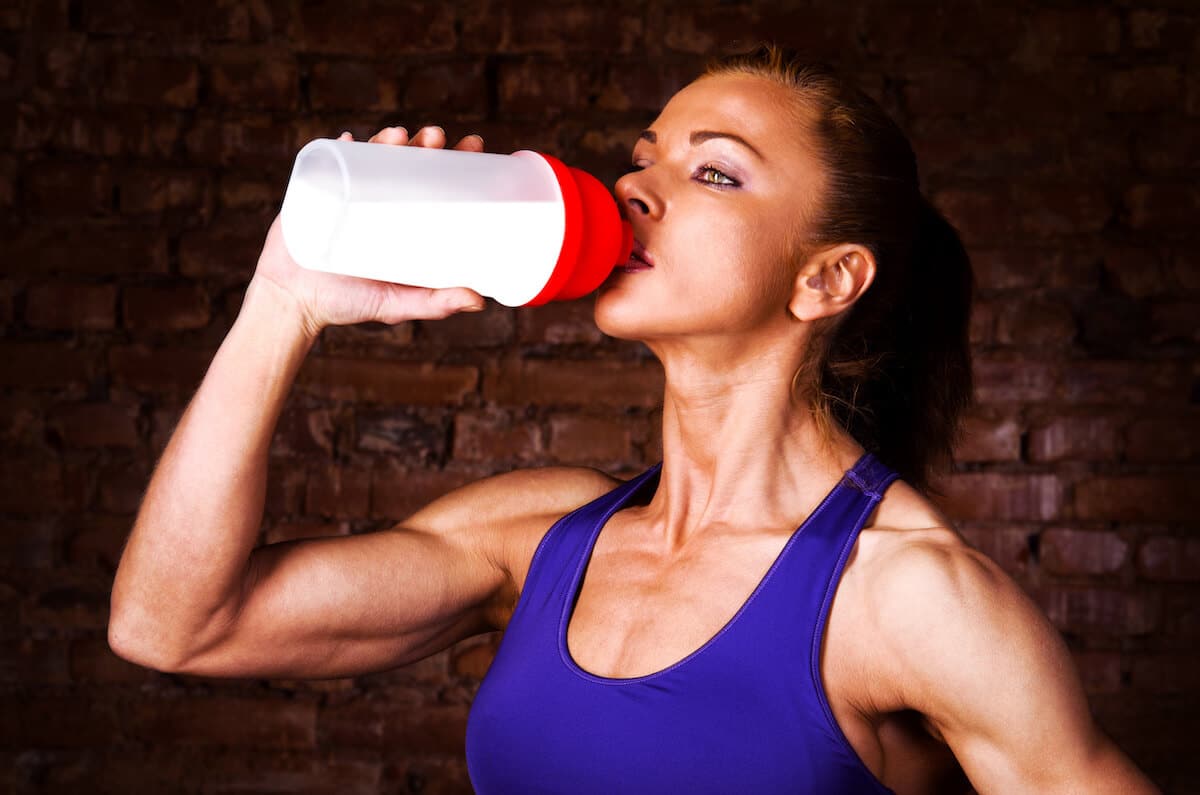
(144, 150)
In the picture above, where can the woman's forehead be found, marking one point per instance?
(754, 107)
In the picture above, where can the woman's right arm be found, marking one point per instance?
(191, 592)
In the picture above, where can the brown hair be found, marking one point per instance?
(895, 369)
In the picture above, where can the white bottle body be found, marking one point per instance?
(426, 217)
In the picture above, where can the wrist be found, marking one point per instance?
(267, 299)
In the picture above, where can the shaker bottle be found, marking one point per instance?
(523, 228)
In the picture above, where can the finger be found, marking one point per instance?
(397, 136)
(345, 137)
(470, 143)
(431, 136)
(427, 303)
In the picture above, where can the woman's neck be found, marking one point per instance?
(740, 451)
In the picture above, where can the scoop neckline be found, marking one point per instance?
(576, 583)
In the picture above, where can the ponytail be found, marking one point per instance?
(897, 374)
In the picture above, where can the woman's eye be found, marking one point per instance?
(721, 179)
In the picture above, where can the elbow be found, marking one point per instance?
(135, 645)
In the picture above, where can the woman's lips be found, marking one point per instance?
(639, 260)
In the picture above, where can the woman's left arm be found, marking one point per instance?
(966, 646)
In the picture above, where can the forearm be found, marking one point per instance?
(183, 566)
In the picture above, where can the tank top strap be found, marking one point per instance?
(564, 546)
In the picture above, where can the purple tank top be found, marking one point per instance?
(744, 713)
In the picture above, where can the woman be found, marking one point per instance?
(677, 632)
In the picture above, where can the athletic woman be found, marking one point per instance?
(775, 607)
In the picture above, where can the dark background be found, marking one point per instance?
(145, 147)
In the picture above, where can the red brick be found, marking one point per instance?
(30, 365)
(382, 381)
(340, 491)
(93, 662)
(146, 80)
(1162, 207)
(1085, 437)
(250, 192)
(96, 541)
(169, 307)
(280, 772)
(68, 188)
(1099, 671)
(223, 720)
(1123, 382)
(302, 430)
(445, 88)
(146, 18)
(495, 435)
(489, 328)
(567, 29)
(645, 86)
(259, 79)
(982, 328)
(158, 190)
(1005, 544)
(989, 435)
(1167, 673)
(1169, 559)
(1056, 208)
(996, 496)
(72, 602)
(1010, 379)
(1100, 610)
(1082, 31)
(120, 487)
(286, 485)
(252, 142)
(943, 88)
(1033, 323)
(374, 28)
(1167, 498)
(351, 85)
(564, 382)
(1157, 149)
(398, 492)
(959, 29)
(400, 437)
(432, 729)
(1164, 439)
(367, 339)
(38, 719)
(539, 88)
(71, 305)
(29, 543)
(21, 423)
(590, 440)
(226, 251)
(85, 249)
(31, 663)
(168, 371)
(31, 488)
(1138, 271)
(1144, 88)
(1067, 551)
(95, 424)
(1175, 321)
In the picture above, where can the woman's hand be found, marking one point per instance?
(330, 299)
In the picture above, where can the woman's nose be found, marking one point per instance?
(635, 198)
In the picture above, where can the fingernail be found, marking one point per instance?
(472, 308)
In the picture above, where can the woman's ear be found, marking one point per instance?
(831, 281)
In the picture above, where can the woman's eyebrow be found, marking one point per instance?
(700, 136)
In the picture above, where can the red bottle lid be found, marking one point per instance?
(595, 241)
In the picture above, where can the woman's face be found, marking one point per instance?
(719, 217)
